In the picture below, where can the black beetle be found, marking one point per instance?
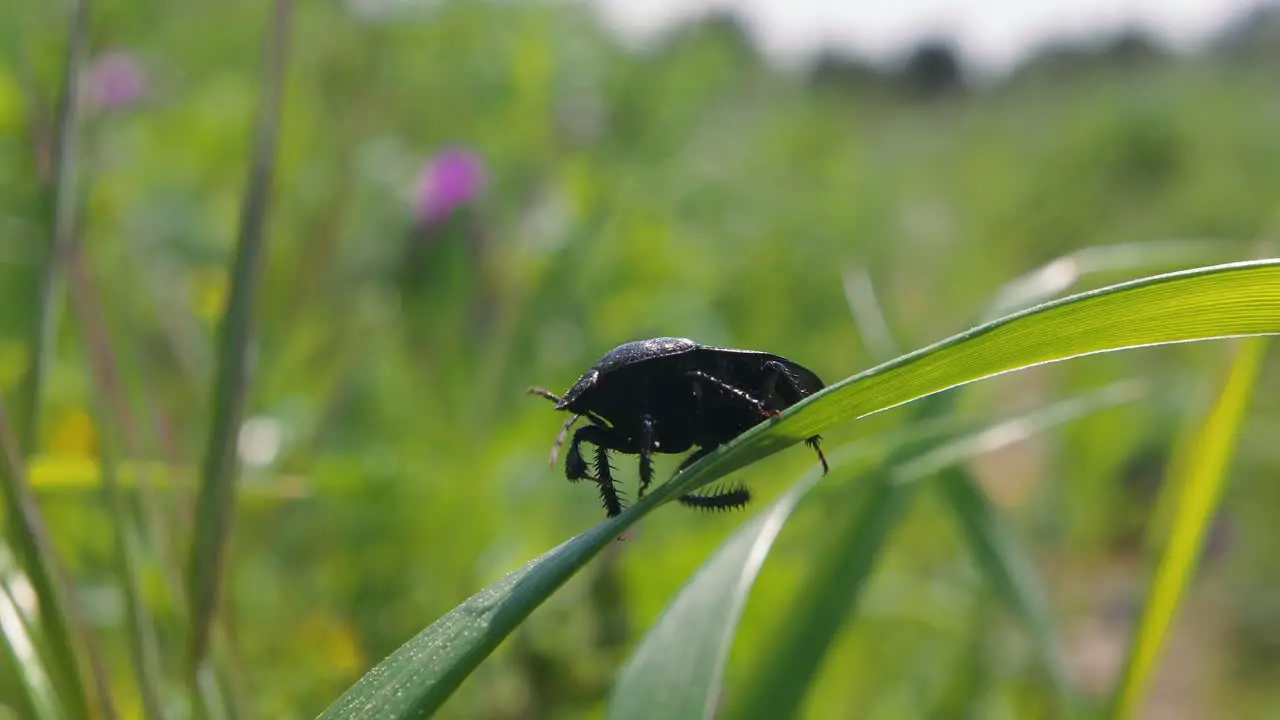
(668, 395)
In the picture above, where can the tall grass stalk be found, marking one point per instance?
(215, 502)
(1196, 483)
(60, 203)
(140, 625)
(61, 613)
(40, 699)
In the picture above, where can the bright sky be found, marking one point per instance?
(991, 34)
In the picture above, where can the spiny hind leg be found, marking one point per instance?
(733, 497)
(604, 478)
(720, 499)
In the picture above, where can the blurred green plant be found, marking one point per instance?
(1214, 302)
(215, 502)
(380, 465)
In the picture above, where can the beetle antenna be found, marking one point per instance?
(543, 392)
(564, 433)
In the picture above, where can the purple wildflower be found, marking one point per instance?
(453, 178)
(116, 80)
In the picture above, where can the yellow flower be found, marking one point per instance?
(10, 104)
(334, 641)
(74, 435)
(209, 293)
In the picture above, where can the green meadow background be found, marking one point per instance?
(390, 464)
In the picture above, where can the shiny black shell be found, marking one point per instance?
(650, 377)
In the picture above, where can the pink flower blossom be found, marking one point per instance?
(115, 80)
(453, 178)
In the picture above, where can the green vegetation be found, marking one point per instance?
(274, 278)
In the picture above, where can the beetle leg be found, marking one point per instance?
(793, 393)
(646, 453)
(813, 442)
(733, 392)
(575, 467)
(608, 493)
(564, 433)
(720, 499)
(732, 497)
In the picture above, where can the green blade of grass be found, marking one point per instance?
(1198, 487)
(39, 698)
(140, 625)
(1065, 272)
(1206, 303)
(1004, 564)
(1001, 560)
(60, 205)
(144, 652)
(1220, 301)
(991, 542)
(676, 671)
(60, 200)
(216, 499)
(778, 684)
(678, 668)
(60, 609)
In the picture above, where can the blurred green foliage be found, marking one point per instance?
(684, 189)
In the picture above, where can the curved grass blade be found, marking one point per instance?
(1216, 302)
(779, 684)
(39, 700)
(1199, 490)
(60, 609)
(27, 531)
(1061, 274)
(1206, 303)
(670, 672)
(216, 500)
(991, 543)
(677, 669)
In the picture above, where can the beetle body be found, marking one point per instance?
(669, 395)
